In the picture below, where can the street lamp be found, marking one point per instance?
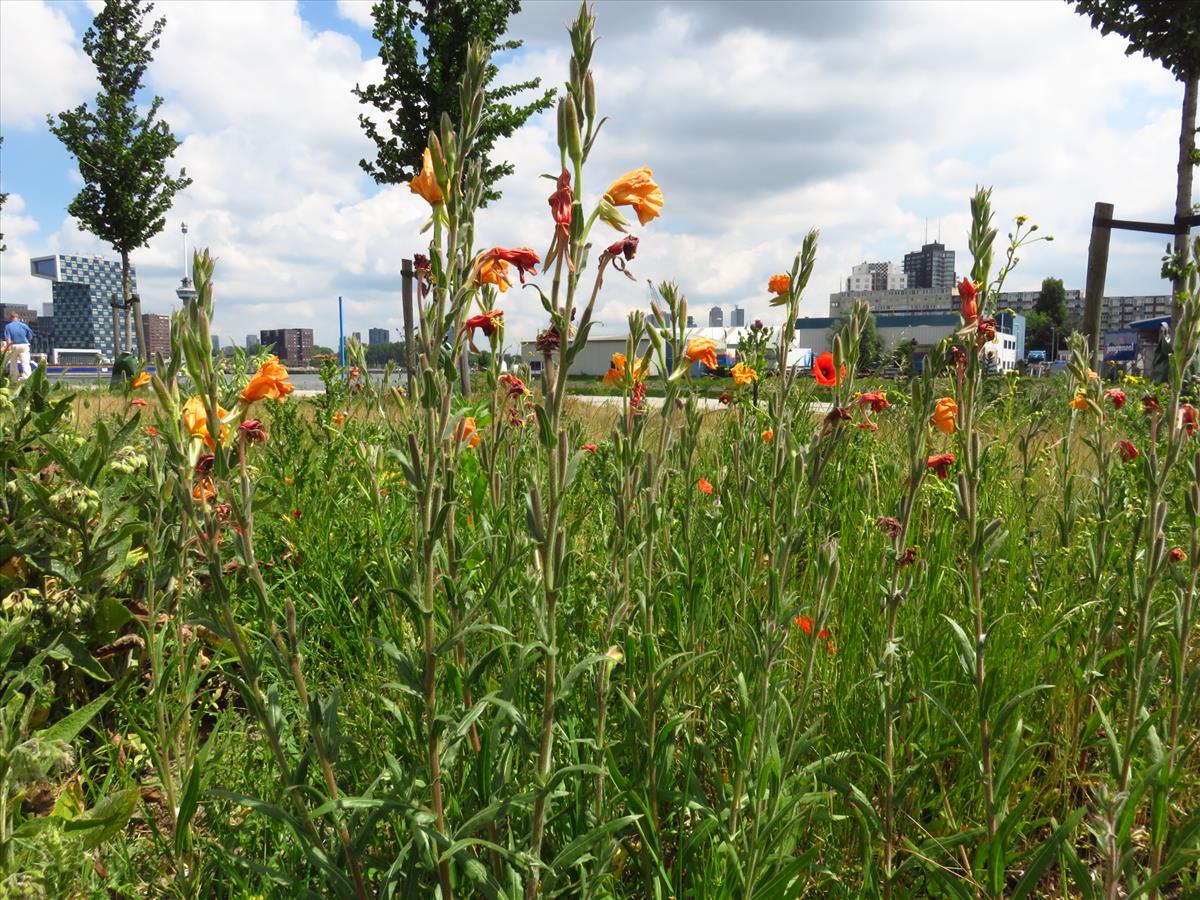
(186, 292)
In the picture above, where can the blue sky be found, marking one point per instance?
(760, 120)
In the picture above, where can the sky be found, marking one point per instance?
(873, 122)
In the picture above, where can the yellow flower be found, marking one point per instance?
(195, 419)
(743, 374)
(142, 380)
(637, 189)
(425, 184)
(944, 412)
(1079, 401)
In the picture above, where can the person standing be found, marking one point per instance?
(17, 338)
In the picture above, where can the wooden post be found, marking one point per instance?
(464, 372)
(406, 292)
(1097, 269)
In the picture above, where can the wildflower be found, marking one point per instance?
(590, 448)
(637, 397)
(909, 556)
(137, 401)
(205, 463)
(704, 486)
(725, 399)
(616, 370)
(1128, 451)
(253, 431)
(940, 464)
(804, 623)
(421, 264)
(836, 416)
(560, 210)
(425, 184)
(1116, 396)
(1177, 555)
(768, 435)
(548, 341)
(1079, 401)
(967, 289)
(195, 419)
(1188, 418)
(296, 514)
(831, 647)
(957, 358)
(152, 431)
(626, 247)
(890, 525)
(523, 258)
(204, 490)
(1150, 404)
(637, 190)
(985, 330)
(877, 400)
(270, 382)
(867, 425)
(354, 373)
(288, 479)
(492, 271)
(1022, 219)
(944, 412)
(702, 350)
(779, 284)
(489, 323)
(143, 379)
(513, 385)
(743, 374)
(339, 418)
(824, 371)
(467, 433)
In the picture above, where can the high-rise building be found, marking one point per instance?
(716, 317)
(357, 335)
(877, 276)
(930, 267)
(292, 345)
(691, 322)
(378, 336)
(158, 334)
(737, 318)
(252, 343)
(216, 342)
(83, 290)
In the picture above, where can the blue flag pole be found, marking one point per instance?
(341, 335)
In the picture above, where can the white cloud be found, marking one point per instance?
(42, 68)
(357, 11)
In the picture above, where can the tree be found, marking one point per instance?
(870, 344)
(1052, 302)
(122, 156)
(417, 87)
(1168, 31)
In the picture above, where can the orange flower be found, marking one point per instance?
(270, 382)
(616, 370)
(142, 380)
(743, 374)
(590, 448)
(824, 371)
(204, 490)
(779, 284)
(705, 486)
(944, 412)
(638, 190)
(877, 400)
(703, 350)
(425, 184)
(768, 435)
(804, 623)
(467, 432)
(339, 418)
(1079, 401)
(522, 257)
(492, 271)
(489, 323)
(940, 464)
(195, 419)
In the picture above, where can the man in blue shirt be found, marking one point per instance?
(17, 338)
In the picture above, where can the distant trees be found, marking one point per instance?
(1047, 323)
(122, 155)
(382, 354)
(421, 80)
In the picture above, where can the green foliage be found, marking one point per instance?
(870, 342)
(422, 78)
(1052, 302)
(379, 355)
(1163, 30)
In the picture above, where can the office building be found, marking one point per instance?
(252, 343)
(378, 336)
(737, 318)
(877, 276)
(157, 329)
(293, 346)
(716, 317)
(930, 267)
(83, 288)
(691, 321)
(357, 335)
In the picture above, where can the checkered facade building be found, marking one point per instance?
(83, 288)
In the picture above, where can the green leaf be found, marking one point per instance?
(67, 728)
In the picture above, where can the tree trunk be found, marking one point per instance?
(132, 307)
(1183, 184)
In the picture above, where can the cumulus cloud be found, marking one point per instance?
(42, 68)
(760, 121)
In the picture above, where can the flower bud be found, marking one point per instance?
(571, 125)
(608, 214)
(589, 97)
(562, 124)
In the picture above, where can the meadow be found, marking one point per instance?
(844, 637)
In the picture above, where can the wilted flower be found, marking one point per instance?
(560, 209)
(1187, 418)
(877, 400)
(638, 190)
(725, 399)
(1127, 451)
(824, 371)
(985, 330)
(940, 464)
(513, 385)
(354, 373)
(890, 525)
(702, 350)
(704, 486)
(270, 382)
(421, 264)
(424, 184)
(491, 266)
(142, 379)
(967, 289)
(1116, 396)
(1177, 555)
(626, 247)
(742, 374)
(944, 412)
(780, 284)
(489, 323)
(1150, 404)
(909, 556)
(204, 464)
(836, 416)
(768, 435)
(253, 431)
(548, 341)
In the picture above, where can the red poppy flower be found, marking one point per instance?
(295, 514)
(152, 431)
(1128, 452)
(1117, 396)
(824, 371)
(705, 486)
(805, 624)
(940, 464)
